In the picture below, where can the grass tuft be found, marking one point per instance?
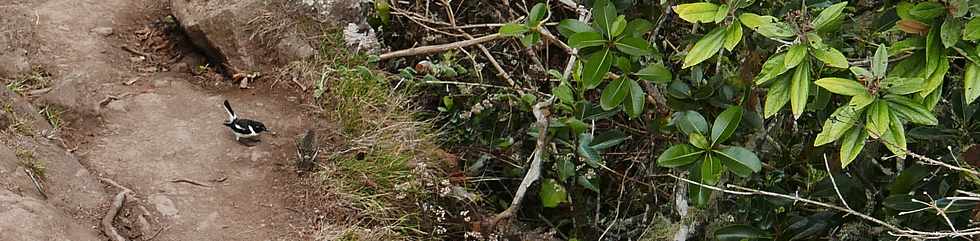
(26, 159)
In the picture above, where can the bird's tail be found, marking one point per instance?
(231, 113)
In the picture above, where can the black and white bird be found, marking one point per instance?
(242, 128)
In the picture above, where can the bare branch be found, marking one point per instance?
(439, 48)
(534, 171)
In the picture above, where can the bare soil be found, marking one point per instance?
(164, 132)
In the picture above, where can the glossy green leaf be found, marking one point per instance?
(903, 8)
(552, 193)
(851, 145)
(927, 10)
(725, 124)
(577, 126)
(879, 63)
(841, 86)
(799, 89)
(741, 161)
(698, 140)
(638, 27)
(772, 68)
(768, 26)
(831, 56)
(618, 26)
(614, 94)
(950, 31)
(879, 117)
(569, 27)
(698, 195)
(564, 93)
(739, 232)
(537, 13)
(862, 100)
(705, 48)
(894, 138)
(972, 30)
(908, 179)
(910, 110)
(721, 13)
(936, 78)
(513, 30)
(906, 45)
(531, 38)
(702, 12)
(902, 86)
(795, 55)
(777, 96)
(596, 68)
(634, 107)
(634, 46)
(733, 35)
(930, 101)
(830, 14)
(842, 120)
(656, 73)
(679, 155)
(604, 16)
(586, 39)
(591, 156)
(711, 170)
(690, 122)
(861, 73)
(971, 82)
(607, 140)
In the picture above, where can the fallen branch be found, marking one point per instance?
(110, 98)
(110, 215)
(189, 181)
(136, 52)
(534, 171)
(439, 48)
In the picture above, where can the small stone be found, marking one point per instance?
(117, 106)
(102, 31)
(164, 205)
(181, 68)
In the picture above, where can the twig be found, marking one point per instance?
(110, 98)
(584, 16)
(834, 181)
(132, 81)
(552, 39)
(115, 184)
(37, 184)
(934, 162)
(158, 232)
(110, 215)
(189, 181)
(464, 83)
(439, 48)
(136, 52)
(534, 171)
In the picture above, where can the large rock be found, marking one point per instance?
(246, 35)
(28, 219)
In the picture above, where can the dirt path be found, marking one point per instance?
(168, 129)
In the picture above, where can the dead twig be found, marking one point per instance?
(189, 181)
(37, 183)
(110, 98)
(439, 48)
(110, 215)
(132, 81)
(534, 171)
(136, 52)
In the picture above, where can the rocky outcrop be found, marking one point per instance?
(25, 218)
(246, 35)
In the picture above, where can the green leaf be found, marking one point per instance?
(842, 86)
(711, 170)
(607, 140)
(721, 13)
(950, 31)
(614, 94)
(861, 73)
(830, 55)
(927, 10)
(907, 45)
(903, 8)
(972, 30)
(566, 169)
(699, 141)
(902, 86)
(531, 38)
(879, 64)
(679, 155)
(513, 30)
(930, 101)
(638, 27)
(634, 108)
(740, 160)
(772, 68)
(778, 96)
(569, 27)
(634, 46)
(577, 126)
(936, 78)
(837, 124)
(699, 195)
(733, 35)
(894, 139)
(537, 13)
(587, 183)
(586, 39)
(604, 16)
(739, 232)
(690, 122)
(552, 193)
(596, 68)
(879, 118)
(768, 26)
(910, 110)
(851, 145)
(971, 82)
(795, 55)
(742, 3)
(656, 73)
(828, 16)
(564, 93)
(799, 89)
(585, 150)
(862, 100)
(705, 48)
(702, 12)
(725, 124)
(908, 178)
(618, 26)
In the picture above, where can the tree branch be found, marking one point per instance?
(534, 171)
(439, 48)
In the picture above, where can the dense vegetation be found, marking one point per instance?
(773, 119)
